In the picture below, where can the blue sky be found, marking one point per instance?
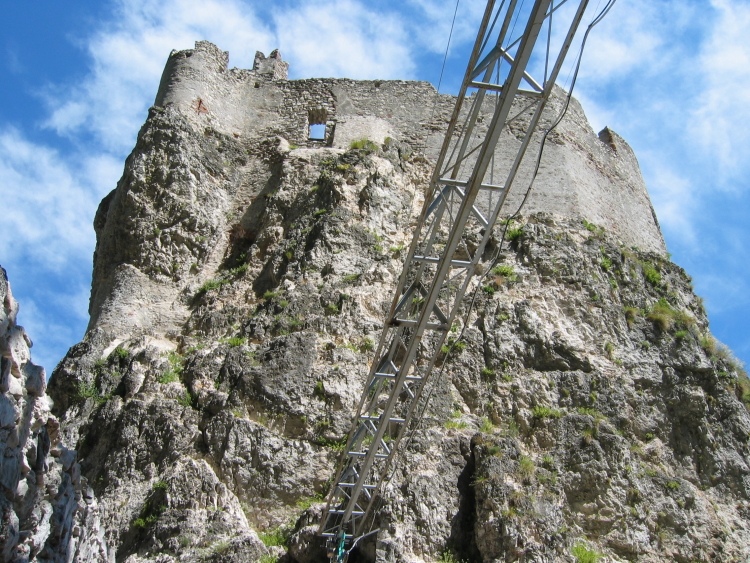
(672, 77)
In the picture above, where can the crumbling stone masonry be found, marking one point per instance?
(583, 175)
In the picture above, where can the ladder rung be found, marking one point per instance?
(354, 512)
(530, 93)
(393, 376)
(396, 420)
(436, 259)
(370, 487)
(363, 454)
(486, 86)
(332, 535)
(408, 322)
(496, 88)
(462, 184)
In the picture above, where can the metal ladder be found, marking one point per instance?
(451, 235)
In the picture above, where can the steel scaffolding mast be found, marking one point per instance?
(452, 232)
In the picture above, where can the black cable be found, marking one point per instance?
(440, 79)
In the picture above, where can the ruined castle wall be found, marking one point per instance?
(580, 175)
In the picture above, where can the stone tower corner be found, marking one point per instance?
(272, 67)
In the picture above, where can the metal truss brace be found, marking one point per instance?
(452, 232)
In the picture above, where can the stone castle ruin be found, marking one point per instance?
(582, 175)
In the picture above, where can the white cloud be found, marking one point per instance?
(672, 195)
(13, 61)
(49, 323)
(48, 237)
(598, 114)
(724, 293)
(626, 41)
(343, 38)
(432, 26)
(720, 121)
(49, 200)
(355, 39)
(128, 55)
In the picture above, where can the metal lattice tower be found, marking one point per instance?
(452, 232)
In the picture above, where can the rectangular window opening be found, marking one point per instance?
(317, 132)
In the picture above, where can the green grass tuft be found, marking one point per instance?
(276, 537)
(173, 372)
(631, 314)
(651, 274)
(448, 557)
(306, 502)
(320, 390)
(213, 284)
(487, 372)
(90, 391)
(585, 555)
(743, 388)
(455, 424)
(589, 226)
(186, 399)
(486, 426)
(540, 411)
(514, 233)
(526, 466)
(363, 145)
(121, 353)
(504, 270)
(234, 341)
(588, 411)
(664, 316)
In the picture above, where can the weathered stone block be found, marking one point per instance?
(10, 470)
(12, 440)
(4, 374)
(353, 128)
(67, 458)
(8, 412)
(18, 348)
(15, 387)
(9, 530)
(36, 379)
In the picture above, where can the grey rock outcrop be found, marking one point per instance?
(49, 512)
(242, 275)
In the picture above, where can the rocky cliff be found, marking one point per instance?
(242, 274)
(48, 510)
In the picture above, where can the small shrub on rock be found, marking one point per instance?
(585, 555)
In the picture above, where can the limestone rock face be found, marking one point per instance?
(48, 510)
(241, 280)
